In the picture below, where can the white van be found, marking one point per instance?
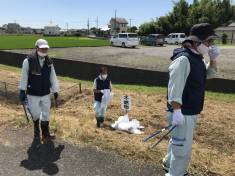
(175, 38)
(125, 40)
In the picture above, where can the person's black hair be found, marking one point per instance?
(103, 69)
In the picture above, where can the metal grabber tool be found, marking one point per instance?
(170, 128)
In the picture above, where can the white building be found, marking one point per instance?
(38, 31)
(27, 30)
(118, 25)
(51, 30)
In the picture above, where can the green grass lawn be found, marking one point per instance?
(28, 41)
(226, 97)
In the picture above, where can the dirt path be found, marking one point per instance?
(19, 157)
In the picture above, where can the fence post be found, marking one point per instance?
(80, 88)
(5, 85)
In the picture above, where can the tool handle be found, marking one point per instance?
(160, 140)
(26, 115)
(156, 133)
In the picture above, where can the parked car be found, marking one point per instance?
(125, 40)
(153, 39)
(175, 38)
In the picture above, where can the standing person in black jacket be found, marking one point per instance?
(102, 84)
(38, 80)
(186, 91)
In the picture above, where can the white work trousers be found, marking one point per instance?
(39, 107)
(180, 146)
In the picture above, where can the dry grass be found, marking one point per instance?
(74, 121)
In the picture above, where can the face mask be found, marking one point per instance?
(42, 54)
(104, 76)
(203, 49)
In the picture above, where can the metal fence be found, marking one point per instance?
(10, 91)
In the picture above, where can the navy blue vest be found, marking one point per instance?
(194, 90)
(39, 84)
(101, 85)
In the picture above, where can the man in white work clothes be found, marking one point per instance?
(186, 91)
(38, 80)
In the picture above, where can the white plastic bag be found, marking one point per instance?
(124, 124)
(106, 98)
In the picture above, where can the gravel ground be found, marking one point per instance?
(149, 58)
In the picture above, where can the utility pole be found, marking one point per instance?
(88, 27)
(115, 22)
(130, 22)
(97, 23)
(67, 27)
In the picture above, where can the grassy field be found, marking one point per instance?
(28, 41)
(213, 147)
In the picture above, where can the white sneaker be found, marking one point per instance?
(166, 168)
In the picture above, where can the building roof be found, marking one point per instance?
(120, 20)
(230, 27)
(52, 27)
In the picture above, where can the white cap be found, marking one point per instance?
(41, 43)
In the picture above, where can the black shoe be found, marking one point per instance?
(98, 121)
(101, 119)
(46, 136)
(165, 167)
(36, 129)
(98, 124)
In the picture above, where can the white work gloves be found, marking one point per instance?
(178, 117)
(214, 52)
(105, 91)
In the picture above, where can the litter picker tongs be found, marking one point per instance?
(170, 128)
(27, 110)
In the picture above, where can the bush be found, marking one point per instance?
(224, 38)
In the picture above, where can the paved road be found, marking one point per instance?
(18, 156)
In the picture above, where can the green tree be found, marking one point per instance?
(184, 16)
(148, 28)
(133, 29)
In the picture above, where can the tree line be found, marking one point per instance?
(185, 15)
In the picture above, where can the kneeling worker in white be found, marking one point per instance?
(38, 80)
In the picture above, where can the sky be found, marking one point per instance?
(75, 13)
